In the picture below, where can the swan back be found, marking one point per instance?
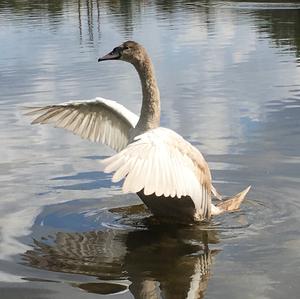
(162, 163)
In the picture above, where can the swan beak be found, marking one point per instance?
(110, 56)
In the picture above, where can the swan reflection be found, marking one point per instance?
(159, 262)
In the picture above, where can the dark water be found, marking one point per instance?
(229, 76)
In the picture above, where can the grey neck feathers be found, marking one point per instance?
(150, 112)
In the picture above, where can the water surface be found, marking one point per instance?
(229, 77)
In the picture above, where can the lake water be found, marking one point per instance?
(229, 76)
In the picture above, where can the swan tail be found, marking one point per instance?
(232, 203)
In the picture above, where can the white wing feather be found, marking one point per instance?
(160, 161)
(99, 120)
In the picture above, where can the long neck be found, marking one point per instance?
(150, 112)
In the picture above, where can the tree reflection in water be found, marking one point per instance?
(271, 17)
(159, 261)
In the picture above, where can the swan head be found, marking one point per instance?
(129, 51)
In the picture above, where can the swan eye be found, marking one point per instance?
(125, 48)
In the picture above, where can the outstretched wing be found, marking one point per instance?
(99, 120)
(160, 161)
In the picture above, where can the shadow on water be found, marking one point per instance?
(159, 261)
(96, 180)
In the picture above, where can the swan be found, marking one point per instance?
(168, 173)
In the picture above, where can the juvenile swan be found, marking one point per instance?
(168, 173)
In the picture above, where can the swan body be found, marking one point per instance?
(168, 173)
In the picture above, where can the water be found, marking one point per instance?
(229, 77)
